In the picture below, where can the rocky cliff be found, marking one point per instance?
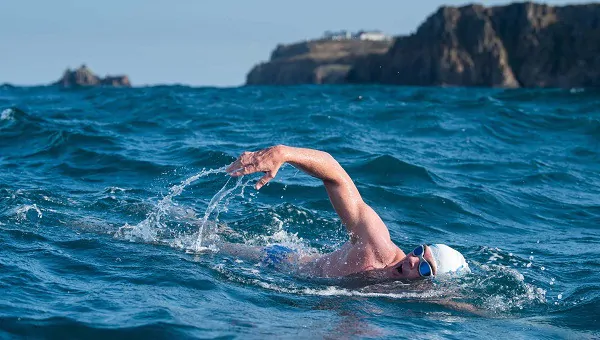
(83, 76)
(518, 45)
(314, 62)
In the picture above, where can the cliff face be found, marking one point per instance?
(83, 76)
(519, 45)
(313, 62)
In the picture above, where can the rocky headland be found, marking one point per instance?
(321, 61)
(84, 77)
(517, 45)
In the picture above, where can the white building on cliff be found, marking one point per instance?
(372, 35)
(360, 35)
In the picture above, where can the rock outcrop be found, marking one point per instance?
(314, 62)
(83, 76)
(518, 45)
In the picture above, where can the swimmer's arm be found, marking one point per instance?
(241, 251)
(360, 219)
(461, 307)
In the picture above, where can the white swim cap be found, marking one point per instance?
(448, 260)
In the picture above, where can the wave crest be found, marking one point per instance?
(389, 170)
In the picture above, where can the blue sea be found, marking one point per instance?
(111, 201)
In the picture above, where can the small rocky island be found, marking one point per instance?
(517, 45)
(84, 77)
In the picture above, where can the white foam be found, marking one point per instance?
(113, 190)
(330, 291)
(22, 211)
(519, 296)
(7, 114)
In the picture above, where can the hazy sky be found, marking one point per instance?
(194, 42)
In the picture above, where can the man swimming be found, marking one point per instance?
(369, 250)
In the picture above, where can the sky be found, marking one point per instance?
(191, 42)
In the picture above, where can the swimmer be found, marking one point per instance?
(369, 250)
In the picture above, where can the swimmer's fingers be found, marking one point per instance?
(234, 167)
(245, 170)
(265, 179)
(239, 164)
(266, 160)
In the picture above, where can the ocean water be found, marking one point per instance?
(111, 199)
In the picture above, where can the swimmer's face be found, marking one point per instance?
(408, 267)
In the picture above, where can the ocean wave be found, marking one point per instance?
(420, 203)
(84, 162)
(68, 327)
(507, 134)
(201, 157)
(548, 178)
(584, 152)
(14, 120)
(29, 236)
(7, 114)
(545, 95)
(80, 244)
(34, 138)
(388, 170)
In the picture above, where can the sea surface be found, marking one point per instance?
(111, 201)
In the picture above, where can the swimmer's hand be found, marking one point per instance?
(268, 160)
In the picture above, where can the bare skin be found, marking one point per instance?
(369, 250)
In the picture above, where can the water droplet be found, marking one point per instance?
(559, 296)
(543, 268)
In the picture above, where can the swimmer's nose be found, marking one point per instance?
(413, 261)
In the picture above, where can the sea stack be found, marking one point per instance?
(84, 77)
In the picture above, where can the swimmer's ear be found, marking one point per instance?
(269, 175)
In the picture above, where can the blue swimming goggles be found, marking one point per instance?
(425, 269)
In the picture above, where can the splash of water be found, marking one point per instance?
(176, 190)
(148, 230)
(214, 202)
